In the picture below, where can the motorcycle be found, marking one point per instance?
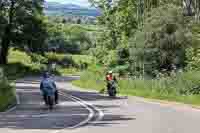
(49, 100)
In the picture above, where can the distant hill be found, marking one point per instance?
(58, 9)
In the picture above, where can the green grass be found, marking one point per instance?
(7, 99)
(21, 64)
(68, 71)
(168, 89)
(16, 56)
(7, 94)
(89, 27)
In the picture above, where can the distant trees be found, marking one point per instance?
(78, 21)
(73, 19)
(68, 38)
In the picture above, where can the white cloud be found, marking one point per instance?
(77, 2)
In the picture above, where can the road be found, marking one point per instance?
(87, 111)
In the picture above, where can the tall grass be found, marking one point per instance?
(7, 95)
(174, 88)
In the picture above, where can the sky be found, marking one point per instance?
(84, 3)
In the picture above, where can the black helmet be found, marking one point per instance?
(46, 75)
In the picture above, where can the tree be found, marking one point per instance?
(164, 39)
(35, 33)
(5, 41)
(68, 38)
(146, 33)
(16, 14)
(119, 19)
(79, 21)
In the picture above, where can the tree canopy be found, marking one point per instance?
(147, 35)
(21, 23)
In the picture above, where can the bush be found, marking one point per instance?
(38, 59)
(121, 70)
(22, 64)
(193, 53)
(76, 61)
(16, 56)
(53, 57)
(163, 40)
(7, 95)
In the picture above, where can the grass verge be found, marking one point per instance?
(7, 95)
(168, 89)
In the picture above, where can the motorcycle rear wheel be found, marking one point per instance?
(50, 102)
(112, 92)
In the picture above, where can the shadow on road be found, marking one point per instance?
(109, 120)
(54, 123)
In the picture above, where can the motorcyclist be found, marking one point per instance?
(111, 81)
(48, 86)
(110, 78)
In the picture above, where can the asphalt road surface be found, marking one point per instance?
(87, 111)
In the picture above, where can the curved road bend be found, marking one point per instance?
(87, 111)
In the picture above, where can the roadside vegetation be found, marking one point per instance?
(7, 93)
(183, 87)
(152, 46)
(22, 64)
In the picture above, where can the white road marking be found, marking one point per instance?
(100, 112)
(42, 115)
(11, 109)
(90, 116)
(17, 98)
(15, 106)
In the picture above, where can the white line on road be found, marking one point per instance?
(42, 115)
(101, 114)
(17, 98)
(11, 109)
(91, 112)
(15, 106)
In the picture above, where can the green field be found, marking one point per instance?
(21, 64)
